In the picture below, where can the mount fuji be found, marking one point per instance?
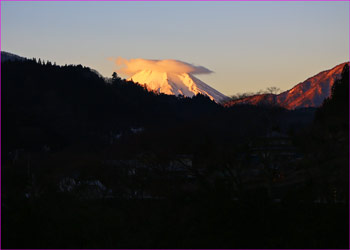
(175, 84)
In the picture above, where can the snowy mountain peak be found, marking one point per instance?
(175, 84)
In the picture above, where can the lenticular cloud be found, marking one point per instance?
(170, 77)
(133, 66)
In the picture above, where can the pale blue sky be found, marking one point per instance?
(249, 45)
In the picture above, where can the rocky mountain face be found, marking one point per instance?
(309, 93)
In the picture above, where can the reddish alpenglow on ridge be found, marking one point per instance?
(309, 93)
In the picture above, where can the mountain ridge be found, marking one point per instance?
(7, 56)
(309, 93)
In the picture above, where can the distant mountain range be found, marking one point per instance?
(309, 93)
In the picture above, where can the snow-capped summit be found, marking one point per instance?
(175, 84)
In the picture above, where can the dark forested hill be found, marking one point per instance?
(45, 104)
(48, 104)
(89, 162)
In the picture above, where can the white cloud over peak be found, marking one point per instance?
(133, 66)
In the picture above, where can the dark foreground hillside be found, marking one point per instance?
(58, 222)
(90, 163)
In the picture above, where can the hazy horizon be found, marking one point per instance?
(248, 45)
